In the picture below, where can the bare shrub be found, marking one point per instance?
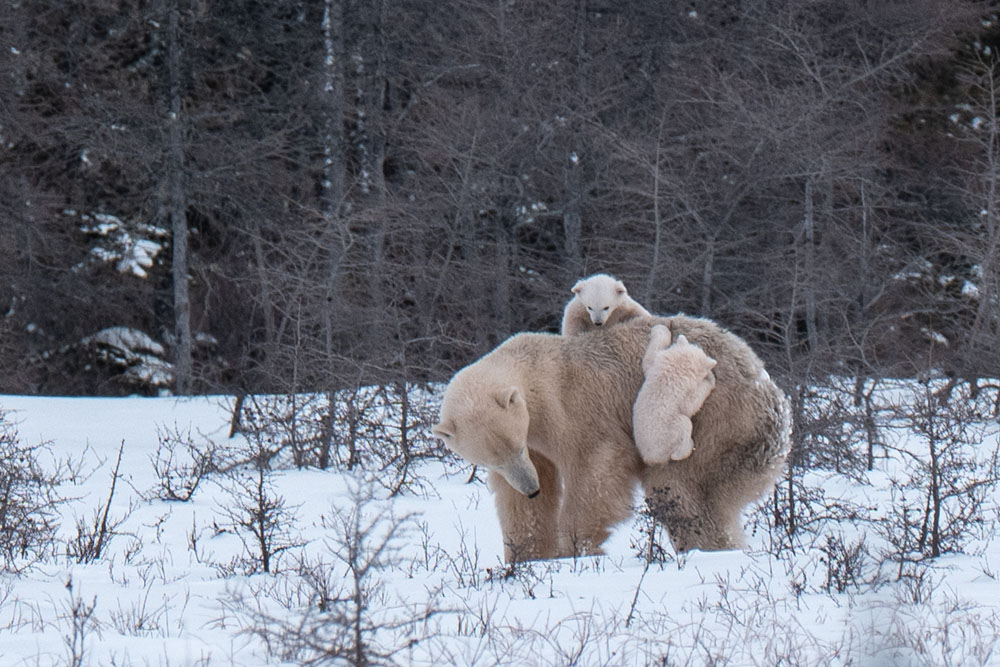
(846, 564)
(180, 464)
(650, 547)
(92, 537)
(28, 502)
(834, 426)
(339, 611)
(79, 615)
(253, 510)
(141, 618)
(937, 460)
(837, 428)
(285, 424)
(947, 474)
(261, 519)
(800, 512)
(937, 630)
(406, 435)
(383, 428)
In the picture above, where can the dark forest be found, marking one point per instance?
(317, 194)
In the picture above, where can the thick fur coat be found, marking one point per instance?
(551, 418)
(598, 301)
(679, 378)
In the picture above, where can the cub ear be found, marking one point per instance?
(681, 340)
(577, 287)
(443, 430)
(711, 363)
(506, 399)
(620, 288)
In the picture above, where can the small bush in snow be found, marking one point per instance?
(78, 615)
(180, 464)
(945, 477)
(93, 537)
(28, 502)
(260, 517)
(338, 610)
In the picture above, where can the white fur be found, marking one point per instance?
(679, 378)
(600, 300)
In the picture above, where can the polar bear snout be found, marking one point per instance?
(522, 476)
(600, 317)
(524, 481)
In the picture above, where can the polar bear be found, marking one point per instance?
(599, 300)
(679, 378)
(551, 418)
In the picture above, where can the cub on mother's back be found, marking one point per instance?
(598, 301)
(679, 378)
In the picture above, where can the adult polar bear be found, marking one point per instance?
(551, 418)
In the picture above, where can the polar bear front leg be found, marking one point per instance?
(529, 524)
(597, 497)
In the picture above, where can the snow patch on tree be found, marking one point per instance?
(140, 358)
(131, 247)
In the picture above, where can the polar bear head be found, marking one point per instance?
(600, 294)
(484, 419)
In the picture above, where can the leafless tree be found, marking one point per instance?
(381, 191)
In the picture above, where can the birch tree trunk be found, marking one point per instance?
(572, 169)
(177, 205)
(333, 187)
(984, 326)
(809, 274)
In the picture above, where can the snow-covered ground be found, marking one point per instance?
(417, 578)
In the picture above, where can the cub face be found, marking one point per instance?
(600, 294)
(488, 426)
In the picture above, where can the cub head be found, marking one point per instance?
(659, 338)
(485, 421)
(700, 365)
(600, 294)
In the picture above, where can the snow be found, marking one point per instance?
(125, 338)
(934, 336)
(140, 358)
(130, 246)
(167, 592)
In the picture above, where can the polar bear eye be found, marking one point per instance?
(606, 308)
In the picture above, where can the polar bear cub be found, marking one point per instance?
(679, 378)
(599, 300)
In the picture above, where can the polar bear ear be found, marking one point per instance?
(711, 363)
(443, 430)
(577, 287)
(620, 288)
(681, 340)
(506, 399)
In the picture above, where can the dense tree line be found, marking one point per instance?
(316, 193)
